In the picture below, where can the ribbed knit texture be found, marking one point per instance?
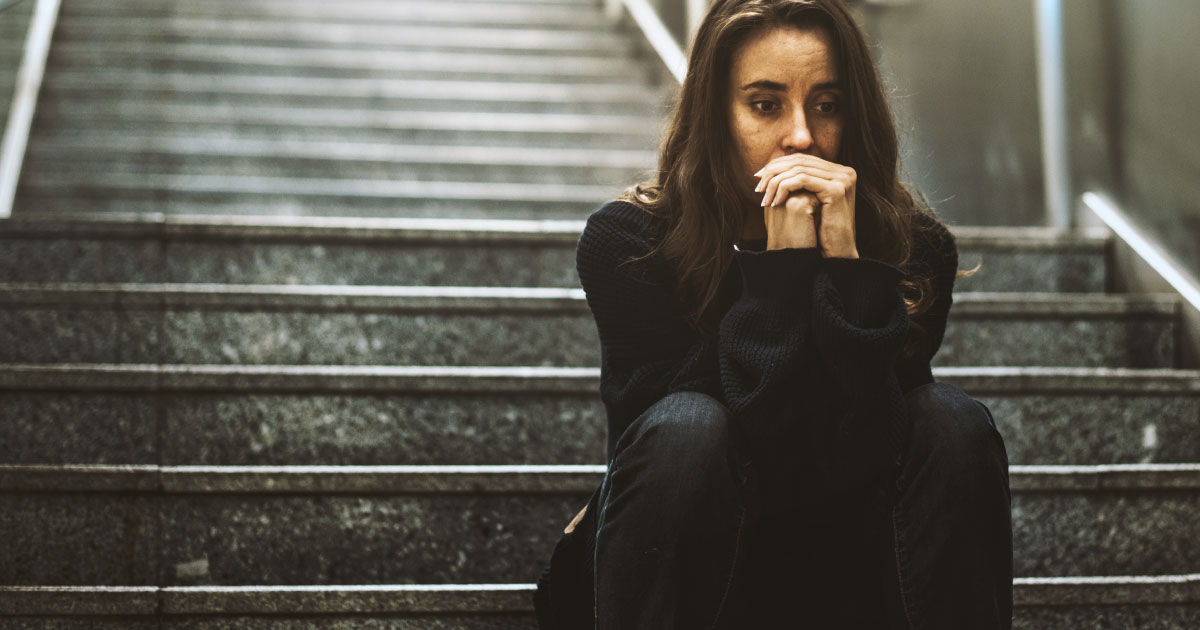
(808, 357)
(800, 335)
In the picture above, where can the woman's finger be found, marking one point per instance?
(787, 162)
(771, 191)
(826, 190)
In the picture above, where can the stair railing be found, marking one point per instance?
(1140, 264)
(24, 100)
(647, 20)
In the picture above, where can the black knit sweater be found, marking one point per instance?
(808, 357)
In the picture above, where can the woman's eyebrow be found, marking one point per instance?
(763, 84)
(775, 86)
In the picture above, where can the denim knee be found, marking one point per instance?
(680, 441)
(953, 432)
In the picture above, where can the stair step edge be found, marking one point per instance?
(487, 598)
(523, 479)
(564, 232)
(524, 380)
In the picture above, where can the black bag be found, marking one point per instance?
(564, 599)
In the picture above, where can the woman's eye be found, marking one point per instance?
(765, 107)
(828, 107)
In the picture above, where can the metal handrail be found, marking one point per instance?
(1052, 106)
(658, 36)
(25, 93)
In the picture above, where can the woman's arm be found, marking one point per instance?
(647, 349)
(773, 347)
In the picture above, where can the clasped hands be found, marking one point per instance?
(809, 202)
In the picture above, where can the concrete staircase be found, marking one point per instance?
(290, 334)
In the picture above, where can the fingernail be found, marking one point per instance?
(764, 201)
(759, 173)
(760, 186)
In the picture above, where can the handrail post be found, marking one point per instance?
(1052, 101)
(25, 93)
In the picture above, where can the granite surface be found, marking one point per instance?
(78, 539)
(309, 335)
(371, 264)
(1025, 270)
(365, 166)
(247, 539)
(1049, 341)
(391, 95)
(474, 264)
(1105, 533)
(79, 335)
(80, 623)
(356, 622)
(294, 428)
(1039, 618)
(1107, 618)
(1075, 429)
(42, 260)
(98, 428)
(113, 539)
(339, 539)
(49, 198)
(380, 338)
(363, 430)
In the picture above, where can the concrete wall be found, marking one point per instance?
(963, 80)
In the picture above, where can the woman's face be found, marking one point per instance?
(784, 98)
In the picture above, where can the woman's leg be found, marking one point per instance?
(951, 528)
(670, 519)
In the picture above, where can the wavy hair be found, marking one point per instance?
(697, 188)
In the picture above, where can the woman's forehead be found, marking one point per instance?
(785, 59)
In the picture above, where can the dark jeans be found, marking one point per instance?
(678, 544)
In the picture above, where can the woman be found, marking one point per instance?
(779, 455)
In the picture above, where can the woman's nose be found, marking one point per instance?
(797, 138)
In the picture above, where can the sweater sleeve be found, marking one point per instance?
(771, 375)
(860, 323)
(647, 349)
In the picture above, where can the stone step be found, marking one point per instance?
(373, 415)
(299, 63)
(318, 34)
(1163, 602)
(125, 154)
(171, 526)
(559, 14)
(234, 92)
(343, 325)
(297, 196)
(312, 250)
(517, 130)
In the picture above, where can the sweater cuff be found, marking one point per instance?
(866, 290)
(859, 318)
(769, 272)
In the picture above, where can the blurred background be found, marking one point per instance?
(964, 89)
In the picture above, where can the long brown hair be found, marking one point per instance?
(698, 186)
